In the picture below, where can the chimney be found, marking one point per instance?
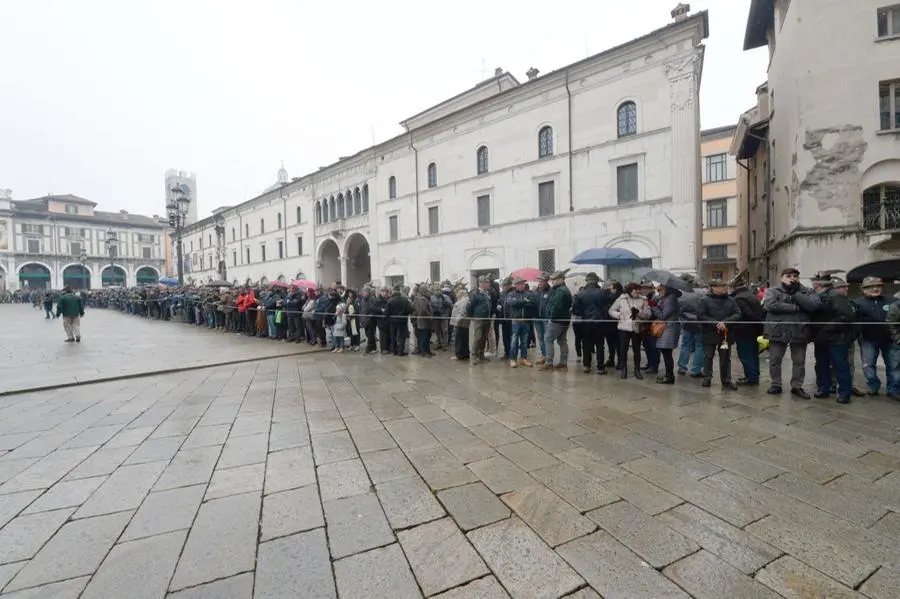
(681, 12)
(532, 73)
(124, 214)
(498, 71)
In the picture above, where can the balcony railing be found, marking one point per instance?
(881, 209)
(343, 224)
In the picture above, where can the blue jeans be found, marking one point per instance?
(424, 341)
(748, 354)
(890, 353)
(539, 327)
(270, 321)
(556, 332)
(519, 343)
(691, 341)
(837, 357)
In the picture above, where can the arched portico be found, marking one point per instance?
(113, 276)
(359, 264)
(484, 263)
(76, 276)
(34, 275)
(2, 279)
(146, 275)
(329, 262)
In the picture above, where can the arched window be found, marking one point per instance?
(357, 201)
(881, 207)
(210, 240)
(278, 219)
(432, 175)
(350, 210)
(332, 212)
(627, 118)
(340, 206)
(318, 212)
(365, 198)
(233, 234)
(262, 226)
(545, 142)
(392, 187)
(247, 230)
(481, 160)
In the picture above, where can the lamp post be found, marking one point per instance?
(220, 246)
(177, 209)
(85, 280)
(112, 246)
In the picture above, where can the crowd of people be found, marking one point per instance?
(631, 329)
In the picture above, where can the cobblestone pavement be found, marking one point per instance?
(382, 477)
(32, 351)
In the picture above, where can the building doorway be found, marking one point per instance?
(77, 276)
(493, 273)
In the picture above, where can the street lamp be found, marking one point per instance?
(220, 246)
(177, 209)
(112, 245)
(82, 258)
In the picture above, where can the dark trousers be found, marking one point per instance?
(649, 343)
(748, 354)
(506, 331)
(668, 361)
(424, 341)
(838, 358)
(320, 333)
(592, 343)
(371, 328)
(399, 335)
(628, 339)
(709, 352)
(578, 333)
(461, 342)
(611, 334)
(295, 327)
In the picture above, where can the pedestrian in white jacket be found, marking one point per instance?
(631, 311)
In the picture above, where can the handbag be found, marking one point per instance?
(657, 328)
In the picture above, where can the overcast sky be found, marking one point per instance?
(100, 97)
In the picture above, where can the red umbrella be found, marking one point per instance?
(303, 284)
(278, 284)
(529, 274)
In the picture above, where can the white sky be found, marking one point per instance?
(99, 97)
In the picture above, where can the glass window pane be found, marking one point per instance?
(627, 183)
(883, 22)
(884, 101)
(484, 211)
(546, 199)
(895, 21)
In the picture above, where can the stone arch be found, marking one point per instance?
(146, 274)
(113, 275)
(328, 261)
(484, 260)
(2, 278)
(280, 278)
(263, 281)
(883, 171)
(359, 263)
(644, 247)
(76, 276)
(34, 275)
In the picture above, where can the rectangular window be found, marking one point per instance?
(248, 256)
(716, 168)
(280, 249)
(201, 242)
(146, 252)
(889, 104)
(234, 257)
(247, 230)
(718, 274)
(262, 227)
(71, 209)
(72, 232)
(233, 234)
(717, 252)
(483, 210)
(394, 280)
(299, 246)
(889, 21)
(433, 220)
(262, 252)
(145, 238)
(547, 260)
(716, 214)
(74, 248)
(393, 228)
(34, 229)
(202, 262)
(546, 198)
(627, 184)
(298, 215)
(434, 270)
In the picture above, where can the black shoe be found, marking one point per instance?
(682, 372)
(77, 339)
(623, 374)
(638, 375)
(894, 397)
(696, 375)
(802, 394)
(69, 340)
(645, 368)
(610, 364)
(665, 380)
(729, 386)
(745, 383)
(653, 371)
(844, 400)
(820, 395)
(774, 390)
(602, 371)
(706, 383)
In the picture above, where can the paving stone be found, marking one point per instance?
(473, 506)
(234, 481)
(333, 447)
(410, 435)
(101, 462)
(527, 456)
(290, 512)
(785, 460)
(501, 475)
(289, 564)
(127, 438)
(655, 542)
(76, 550)
(356, 524)
(483, 588)
(510, 419)
(732, 545)
(285, 435)
(24, 536)
(472, 452)
(587, 462)
(46, 471)
(440, 556)
(125, 489)
(522, 561)
(449, 432)
(215, 551)
(367, 441)
(793, 579)
(495, 434)
(206, 436)
(155, 450)
(427, 413)
(546, 438)
(189, 467)
(390, 464)
(236, 587)
(408, 502)
(326, 421)
(378, 573)
(606, 449)
(865, 513)
(8, 571)
(68, 589)
(706, 577)
(883, 584)
(741, 464)
(243, 450)
(888, 526)
(137, 569)
(11, 467)
(552, 518)
(579, 489)
(343, 479)
(165, 511)
(681, 462)
(66, 494)
(440, 468)
(289, 469)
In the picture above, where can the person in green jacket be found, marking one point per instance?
(71, 308)
(559, 312)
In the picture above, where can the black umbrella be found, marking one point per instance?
(883, 269)
(657, 275)
(677, 283)
(218, 283)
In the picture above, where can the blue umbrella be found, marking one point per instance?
(168, 281)
(608, 257)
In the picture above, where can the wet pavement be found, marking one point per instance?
(343, 475)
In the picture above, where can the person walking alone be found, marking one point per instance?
(71, 308)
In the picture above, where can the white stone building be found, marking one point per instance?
(601, 153)
(823, 142)
(58, 240)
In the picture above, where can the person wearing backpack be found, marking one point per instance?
(744, 333)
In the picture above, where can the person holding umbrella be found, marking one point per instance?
(716, 311)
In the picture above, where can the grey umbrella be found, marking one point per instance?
(677, 283)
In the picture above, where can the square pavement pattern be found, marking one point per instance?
(379, 477)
